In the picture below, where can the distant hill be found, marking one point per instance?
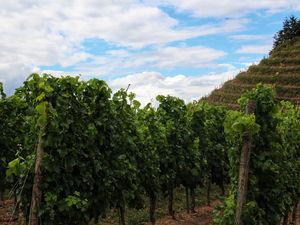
(281, 69)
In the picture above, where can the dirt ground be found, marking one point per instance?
(202, 216)
(298, 215)
(6, 209)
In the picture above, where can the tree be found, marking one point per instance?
(290, 30)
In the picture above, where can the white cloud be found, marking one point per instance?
(197, 56)
(127, 23)
(148, 85)
(161, 58)
(255, 49)
(134, 26)
(231, 8)
(249, 37)
(224, 27)
(13, 75)
(47, 33)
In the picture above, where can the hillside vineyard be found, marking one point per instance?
(281, 70)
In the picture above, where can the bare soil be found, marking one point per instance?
(202, 216)
(298, 215)
(6, 209)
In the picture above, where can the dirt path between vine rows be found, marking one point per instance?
(203, 216)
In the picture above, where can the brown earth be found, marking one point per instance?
(6, 209)
(202, 216)
(298, 215)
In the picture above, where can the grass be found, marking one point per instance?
(140, 216)
(280, 61)
(236, 88)
(265, 70)
(287, 79)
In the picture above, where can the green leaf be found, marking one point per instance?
(40, 97)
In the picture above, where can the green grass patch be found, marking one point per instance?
(287, 79)
(280, 62)
(273, 70)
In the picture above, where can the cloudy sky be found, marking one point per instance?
(184, 48)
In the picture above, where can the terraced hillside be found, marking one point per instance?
(281, 69)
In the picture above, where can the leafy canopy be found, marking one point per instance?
(290, 30)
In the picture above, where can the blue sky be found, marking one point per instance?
(182, 48)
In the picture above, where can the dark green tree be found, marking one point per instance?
(290, 30)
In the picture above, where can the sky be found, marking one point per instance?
(181, 48)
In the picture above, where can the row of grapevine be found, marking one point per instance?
(274, 165)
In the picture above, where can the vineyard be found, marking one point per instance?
(73, 152)
(281, 70)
